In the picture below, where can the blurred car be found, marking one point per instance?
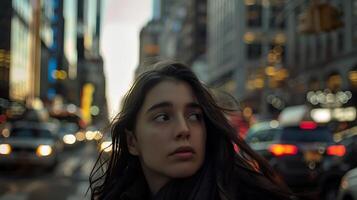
(348, 187)
(348, 138)
(70, 134)
(305, 156)
(93, 133)
(29, 144)
(69, 114)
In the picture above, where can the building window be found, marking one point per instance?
(307, 53)
(318, 48)
(254, 15)
(354, 36)
(277, 19)
(329, 46)
(340, 41)
(254, 50)
(297, 57)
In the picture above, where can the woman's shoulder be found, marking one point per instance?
(247, 183)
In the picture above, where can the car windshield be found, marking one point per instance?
(30, 133)
(261, 135)
(69, 127)
(296, 134)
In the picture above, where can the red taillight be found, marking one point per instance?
(309, 125)
(336, 150)
(283, 149)
(82, 123)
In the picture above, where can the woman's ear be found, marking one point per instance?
(132, 143)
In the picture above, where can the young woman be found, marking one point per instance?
(172, 141)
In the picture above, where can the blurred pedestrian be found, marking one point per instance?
(172, 141)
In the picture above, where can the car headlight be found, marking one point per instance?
(90, 135)
(44, 150)
(69, 139)
(5, 149)
(98, 135)
(80, 136)
(106, 146)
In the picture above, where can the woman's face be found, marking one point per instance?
(170, 133)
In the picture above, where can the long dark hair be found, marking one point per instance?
(121, 169)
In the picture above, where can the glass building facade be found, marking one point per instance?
(20, 69)
(70, 36)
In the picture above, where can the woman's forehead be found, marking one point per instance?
(174, 91)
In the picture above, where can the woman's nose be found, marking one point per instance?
(182, 128)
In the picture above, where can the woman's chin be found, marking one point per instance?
(184, 171)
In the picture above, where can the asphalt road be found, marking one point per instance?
(68, 181)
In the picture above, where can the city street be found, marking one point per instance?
(166, 88)
(68, 181)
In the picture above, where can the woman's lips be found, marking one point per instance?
(183, 153)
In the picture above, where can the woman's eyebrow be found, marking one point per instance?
(166, 104)
(160, 105)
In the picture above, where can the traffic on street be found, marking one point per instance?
(67, 181)
(268, 84)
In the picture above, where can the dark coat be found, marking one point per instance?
(244, 184)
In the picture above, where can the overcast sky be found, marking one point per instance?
(122, 22)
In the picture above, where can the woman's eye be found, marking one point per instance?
(161, 118)
(195, 117)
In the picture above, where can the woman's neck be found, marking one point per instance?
(155, 181)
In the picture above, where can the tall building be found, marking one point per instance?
(5, 34)
(166, 8)
(177, 31)
(242, 36)
(225, 50)
(50, 48)
(27, 30)
(72, 94)
(54, 68)
(156, 9)
(271, 54)
(20, 55)
(172, 26)
(323, 58)
(193, 32)
(184, 33)
(149, 44)
(90, 73)
(5, 43)
(151, 34)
